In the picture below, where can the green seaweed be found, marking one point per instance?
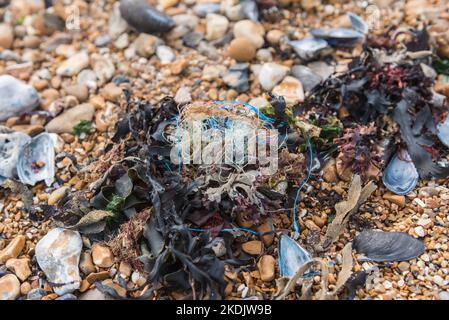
(441, 66)
(83, 126)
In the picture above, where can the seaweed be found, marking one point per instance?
(84, 126)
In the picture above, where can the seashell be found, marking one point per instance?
(400, 176)
(438, 100)
(357, 23)
(249, 10)
(308, 78)
(11, 144)
(308, 49)
(145, 18)
(388, 246)
(339, 37)
(37, 160)
(291, 256)
(443, 131)
(202, 9)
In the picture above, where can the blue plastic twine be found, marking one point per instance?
(295, 223)
(226, 230)
(249, 106)
(268, 121)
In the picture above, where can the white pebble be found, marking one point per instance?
(420, 232)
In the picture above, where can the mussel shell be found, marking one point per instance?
(339, 37)
(202, 9)
(10, 146)
(443, 131)
(249, 9)
(358, 23)
(145, 18)
(291, 256)
(39, 149)
(308, 49)
(383, 246)
(308, 78)
(400, 176)
(438, 100)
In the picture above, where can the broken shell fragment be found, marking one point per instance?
(218, 247)
(291, 256)
(443, 131)
(308, 78)
(388, 246)
(401, 175)
(10, 146)
(36, 160)
(249, 10)
(308, 49)
(358, 23)
(339, 37)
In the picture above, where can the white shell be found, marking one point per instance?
(40, 148)
(10, 146)
(308, 49)
(443, 131)
(358, 23)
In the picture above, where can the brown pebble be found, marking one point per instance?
(86, 264)
(20, 267)
(102, 256)
(25, 288)
(404, 266)
(91, 278)
(242, 50)
(13, 249)
(394, 198)
(112, 92)
(252, 247)
(266, 266)
(268, 238)
(320, 222)
(120, 291)
(79, 91)
(178, 66)
(330, 171)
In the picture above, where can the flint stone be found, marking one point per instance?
(36, 294)
(58, 255)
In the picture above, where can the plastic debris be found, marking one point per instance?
(291, 256)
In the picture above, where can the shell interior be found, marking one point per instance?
(358, 23)
(443, 131)
(37, 160)
(339, 37)
(308, 48)
(10, 146)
